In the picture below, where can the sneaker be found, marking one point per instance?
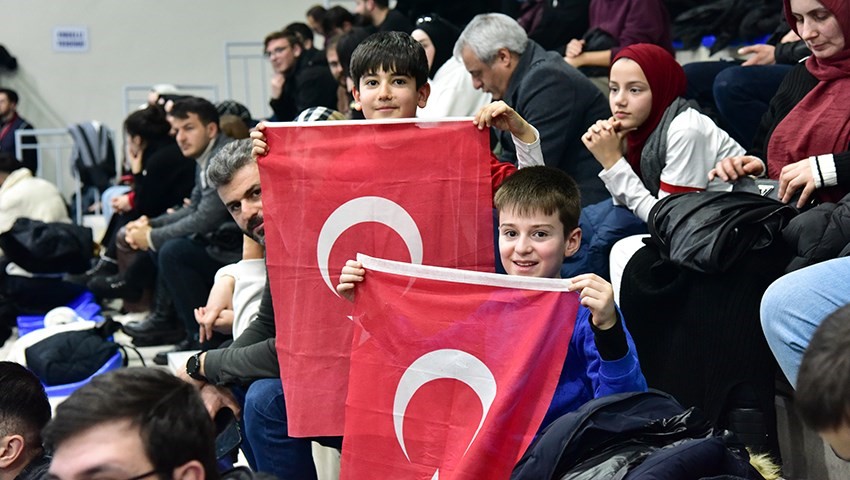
(161, 358)
(155, 330)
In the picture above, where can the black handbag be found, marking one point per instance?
(709, 231)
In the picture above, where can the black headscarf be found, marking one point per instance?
(443, 35)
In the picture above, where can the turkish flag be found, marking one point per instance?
(406, 190)
(452, 371)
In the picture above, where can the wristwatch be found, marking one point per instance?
(193, 367)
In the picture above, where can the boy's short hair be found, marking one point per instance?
(201, 107)
(394, 52)
(822, 393)
(24, 408)
(541, 189)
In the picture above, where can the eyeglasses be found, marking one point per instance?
(276, 51)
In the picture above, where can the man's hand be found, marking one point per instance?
(276, 85)
(258, 142)
(499, 115)
(215, 398)
(762, 54)
(121, 203)
(574, 48)
(598, 296)
(137, 238)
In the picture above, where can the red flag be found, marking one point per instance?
(452, 371)
(406, 190)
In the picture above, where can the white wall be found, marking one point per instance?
(131, 42)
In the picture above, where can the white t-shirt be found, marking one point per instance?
(452, 94)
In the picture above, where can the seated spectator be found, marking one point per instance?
(538, 226)
(377, 13)
(162, 178)
(345, 47)
(24, 411)
(452, 93)
(823, 390)
(301, 77)
(338, 20)
(304, 34)
(133, 423)
(315, 17)
(614, 25)
(737, 93)
(25, 196)
(11, 121)
(549, 94)
(669, 146)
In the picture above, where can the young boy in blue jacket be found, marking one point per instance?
(539, 209)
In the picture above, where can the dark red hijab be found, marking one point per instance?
(820, 122)
(666, 82)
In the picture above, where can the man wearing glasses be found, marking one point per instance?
(301, 77)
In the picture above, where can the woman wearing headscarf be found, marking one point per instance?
(452, 93)
(804, 135)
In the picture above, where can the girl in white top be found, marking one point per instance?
(655, 144)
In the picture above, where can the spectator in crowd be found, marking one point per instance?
(823, 387)
(452, 93)
(304, 34)
(191, 243)
(315, 17)
(345, 47)
(10, 121)
(25, 196)
(338, 20)
(301, 78)
(162, 178)
(378, 14)
(616, 24)
(343, 103)
(24, 411)
(554, 97)
(133, 423)
(737, 93)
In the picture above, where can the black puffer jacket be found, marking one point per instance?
(819, 234)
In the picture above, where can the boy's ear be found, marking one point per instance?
(573, 242)
(424, 93)
(355, 92)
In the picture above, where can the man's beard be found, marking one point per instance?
(259, 236)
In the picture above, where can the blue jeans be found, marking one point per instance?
(265, 442)
(795, 304)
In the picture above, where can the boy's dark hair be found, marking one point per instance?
(541, 189)
(173, 423)
(24, 408)
(394, 52)
(8, 163)
(10, 94)
(289, 35)
(149, 123)
(822, 394)
(201, 107)
(301, 30)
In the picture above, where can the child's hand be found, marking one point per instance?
(500, 115)
(258, 141)
(598, 296)
(604, 139)
(352, 274)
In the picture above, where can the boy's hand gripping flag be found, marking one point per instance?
(452, 371)
(406, 190)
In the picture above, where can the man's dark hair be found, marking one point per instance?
(201, 107)
(335, 19)
(301, 30)
(288, 35)
(382, 4)
(541, 189)
(173, 423)
(317, 12)
(822, 394)
(227, 161)
(347, 43)
(8, 163)
(24, 409)
(394, 52)
(149, 123)
(10, 94)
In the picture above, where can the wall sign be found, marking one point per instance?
(71, 39)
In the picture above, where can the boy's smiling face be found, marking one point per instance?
(385, 94)
(534, 245)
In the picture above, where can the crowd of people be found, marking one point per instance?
(574, 177)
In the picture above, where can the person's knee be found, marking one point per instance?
(264, 399)
(731, 83)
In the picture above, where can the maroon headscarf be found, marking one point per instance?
(820, 122)
(666, 82)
